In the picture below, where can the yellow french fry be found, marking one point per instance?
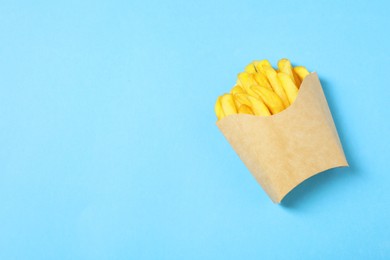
(262, 65)
(244, 109)
(218, 109)
(236, 90)
(261, 80)
(284, 66)
(258, 107)
(288, 86)
(250, 92)
(277, 85)
(301, 71)
(242, 99)
(250, 68)
(228, 105)
(297, 79)
(270, 99)
(246, 80)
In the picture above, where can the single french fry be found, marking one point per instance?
(244, 109)
(288, 86)
(258, 107)
(236, 90)
(250, 68)
(284, 66)
(246, 80)
(277, 85)
(262, 65)
(250, 92)
(297, 79)
(228, 105)
(262, 80)
(242, 99)
(301, 72)
(218, 109)
(270, 99)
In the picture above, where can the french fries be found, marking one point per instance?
(262, 65)
(261, 80)
(272, 76)
(289, 86)
(258, 107)
(270, 99)
(228, 105)
(261, 90)
(250, 68)
(301, 72)
(245, 80)
(237, 90)
(218, 109)
(242, 99)
(284, 66)
(244, 109)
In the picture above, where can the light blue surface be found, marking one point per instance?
(108, 143)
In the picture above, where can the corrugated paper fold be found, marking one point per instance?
(284, 149)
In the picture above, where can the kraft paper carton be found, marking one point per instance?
(284, 149)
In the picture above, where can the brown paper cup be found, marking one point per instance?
(284, 149)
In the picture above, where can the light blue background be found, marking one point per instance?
(108, 143)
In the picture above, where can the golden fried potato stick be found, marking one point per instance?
(228, 105)
(284, 66)
(250, 68)
(250, 92)
(297, 79)
(245, 80)
(262, 80)
(277, 85)
(218, 109)
(258, 107)
(301, 72)
(288, 86)
(237, 89)
(242, 99)
(244, 109)
(262, 65)
(270, 99)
